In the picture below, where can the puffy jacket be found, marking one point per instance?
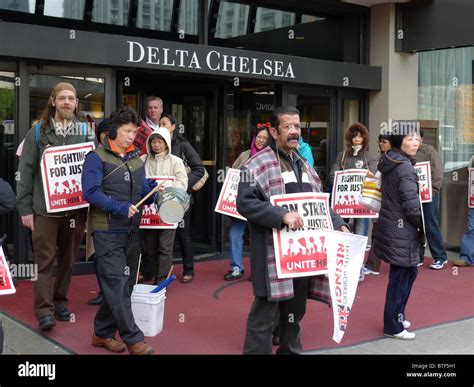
(399, 234)
(165, 164)
(306, 152)
(184, 150)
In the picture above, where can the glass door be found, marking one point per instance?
(317, 109)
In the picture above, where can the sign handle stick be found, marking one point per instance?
(149, 194)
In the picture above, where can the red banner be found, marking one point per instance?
(226, 204)
(6, 282)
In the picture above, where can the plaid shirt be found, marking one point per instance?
(265, 170)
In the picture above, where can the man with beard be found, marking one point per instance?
(277, 169)
(59, 124)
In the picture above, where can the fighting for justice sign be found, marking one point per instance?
(150, 216)
(226, 204)
(423, 171)
(302, 252)
(61, 169)
(346, 194)
(471, 188)
(6, 283)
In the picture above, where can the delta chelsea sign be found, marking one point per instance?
(214, 61)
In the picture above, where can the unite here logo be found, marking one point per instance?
(37, 370)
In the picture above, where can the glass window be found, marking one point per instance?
(310, 18)
(188, 17)
(111, 12)
(69, 9)
(445, 94)
(231, 20)
(155, 14)
(19, 5)
(270, 19)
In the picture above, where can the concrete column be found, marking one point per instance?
(398, 98)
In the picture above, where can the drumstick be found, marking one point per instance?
(138, 268)
(171, 270)
(149, 194)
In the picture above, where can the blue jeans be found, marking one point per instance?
(433, 232)
(236, 233)
(359, 226)
(467, 242)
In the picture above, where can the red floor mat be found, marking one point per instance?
(208, 316)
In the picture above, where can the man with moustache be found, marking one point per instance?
(277, 169)
(59, 124)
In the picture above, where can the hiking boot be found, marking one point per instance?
(140, 348)
(438, 264)
(108, 343)
(62, 313)
(234, 274)
(403, 335)
(46, 322)
(459, 262)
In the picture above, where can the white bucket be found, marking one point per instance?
(148, 309)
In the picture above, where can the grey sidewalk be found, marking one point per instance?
(450, 338)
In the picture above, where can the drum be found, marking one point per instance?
(171, 204)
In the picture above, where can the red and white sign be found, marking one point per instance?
(6, 282)
(302, 252)
(346, 254)
(150, 217)
(226, 204)
(471, 188)
(346, 194)
(61, 170)
(423, 171)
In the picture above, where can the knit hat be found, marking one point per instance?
(63, 86)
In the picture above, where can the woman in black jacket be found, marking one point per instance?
(183, 149)
(399, 235)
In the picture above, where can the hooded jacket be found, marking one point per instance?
(164, 164)
(399, 234)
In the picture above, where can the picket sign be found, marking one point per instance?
(61, 171)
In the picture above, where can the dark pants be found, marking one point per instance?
(400, 282)
(66, 233)
(433, 233)
(373, 262)
(260, 322)
(158, 249)
(186, 244)
(117, 261)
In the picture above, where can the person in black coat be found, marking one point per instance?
(7, 203)
(183, 149)
(399, 235)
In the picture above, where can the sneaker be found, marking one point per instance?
(368, 271)
(438, 264)
(406, 324)
(403, 335)
(234, 274)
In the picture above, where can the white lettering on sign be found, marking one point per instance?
(215, 61)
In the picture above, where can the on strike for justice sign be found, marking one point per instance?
(302, 252)
(346, 194)
(61, 169)
(150, 217)
(226, 204)
(423, 170)
(6, 283)
(470, 192)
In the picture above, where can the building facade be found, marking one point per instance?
(220, 68)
